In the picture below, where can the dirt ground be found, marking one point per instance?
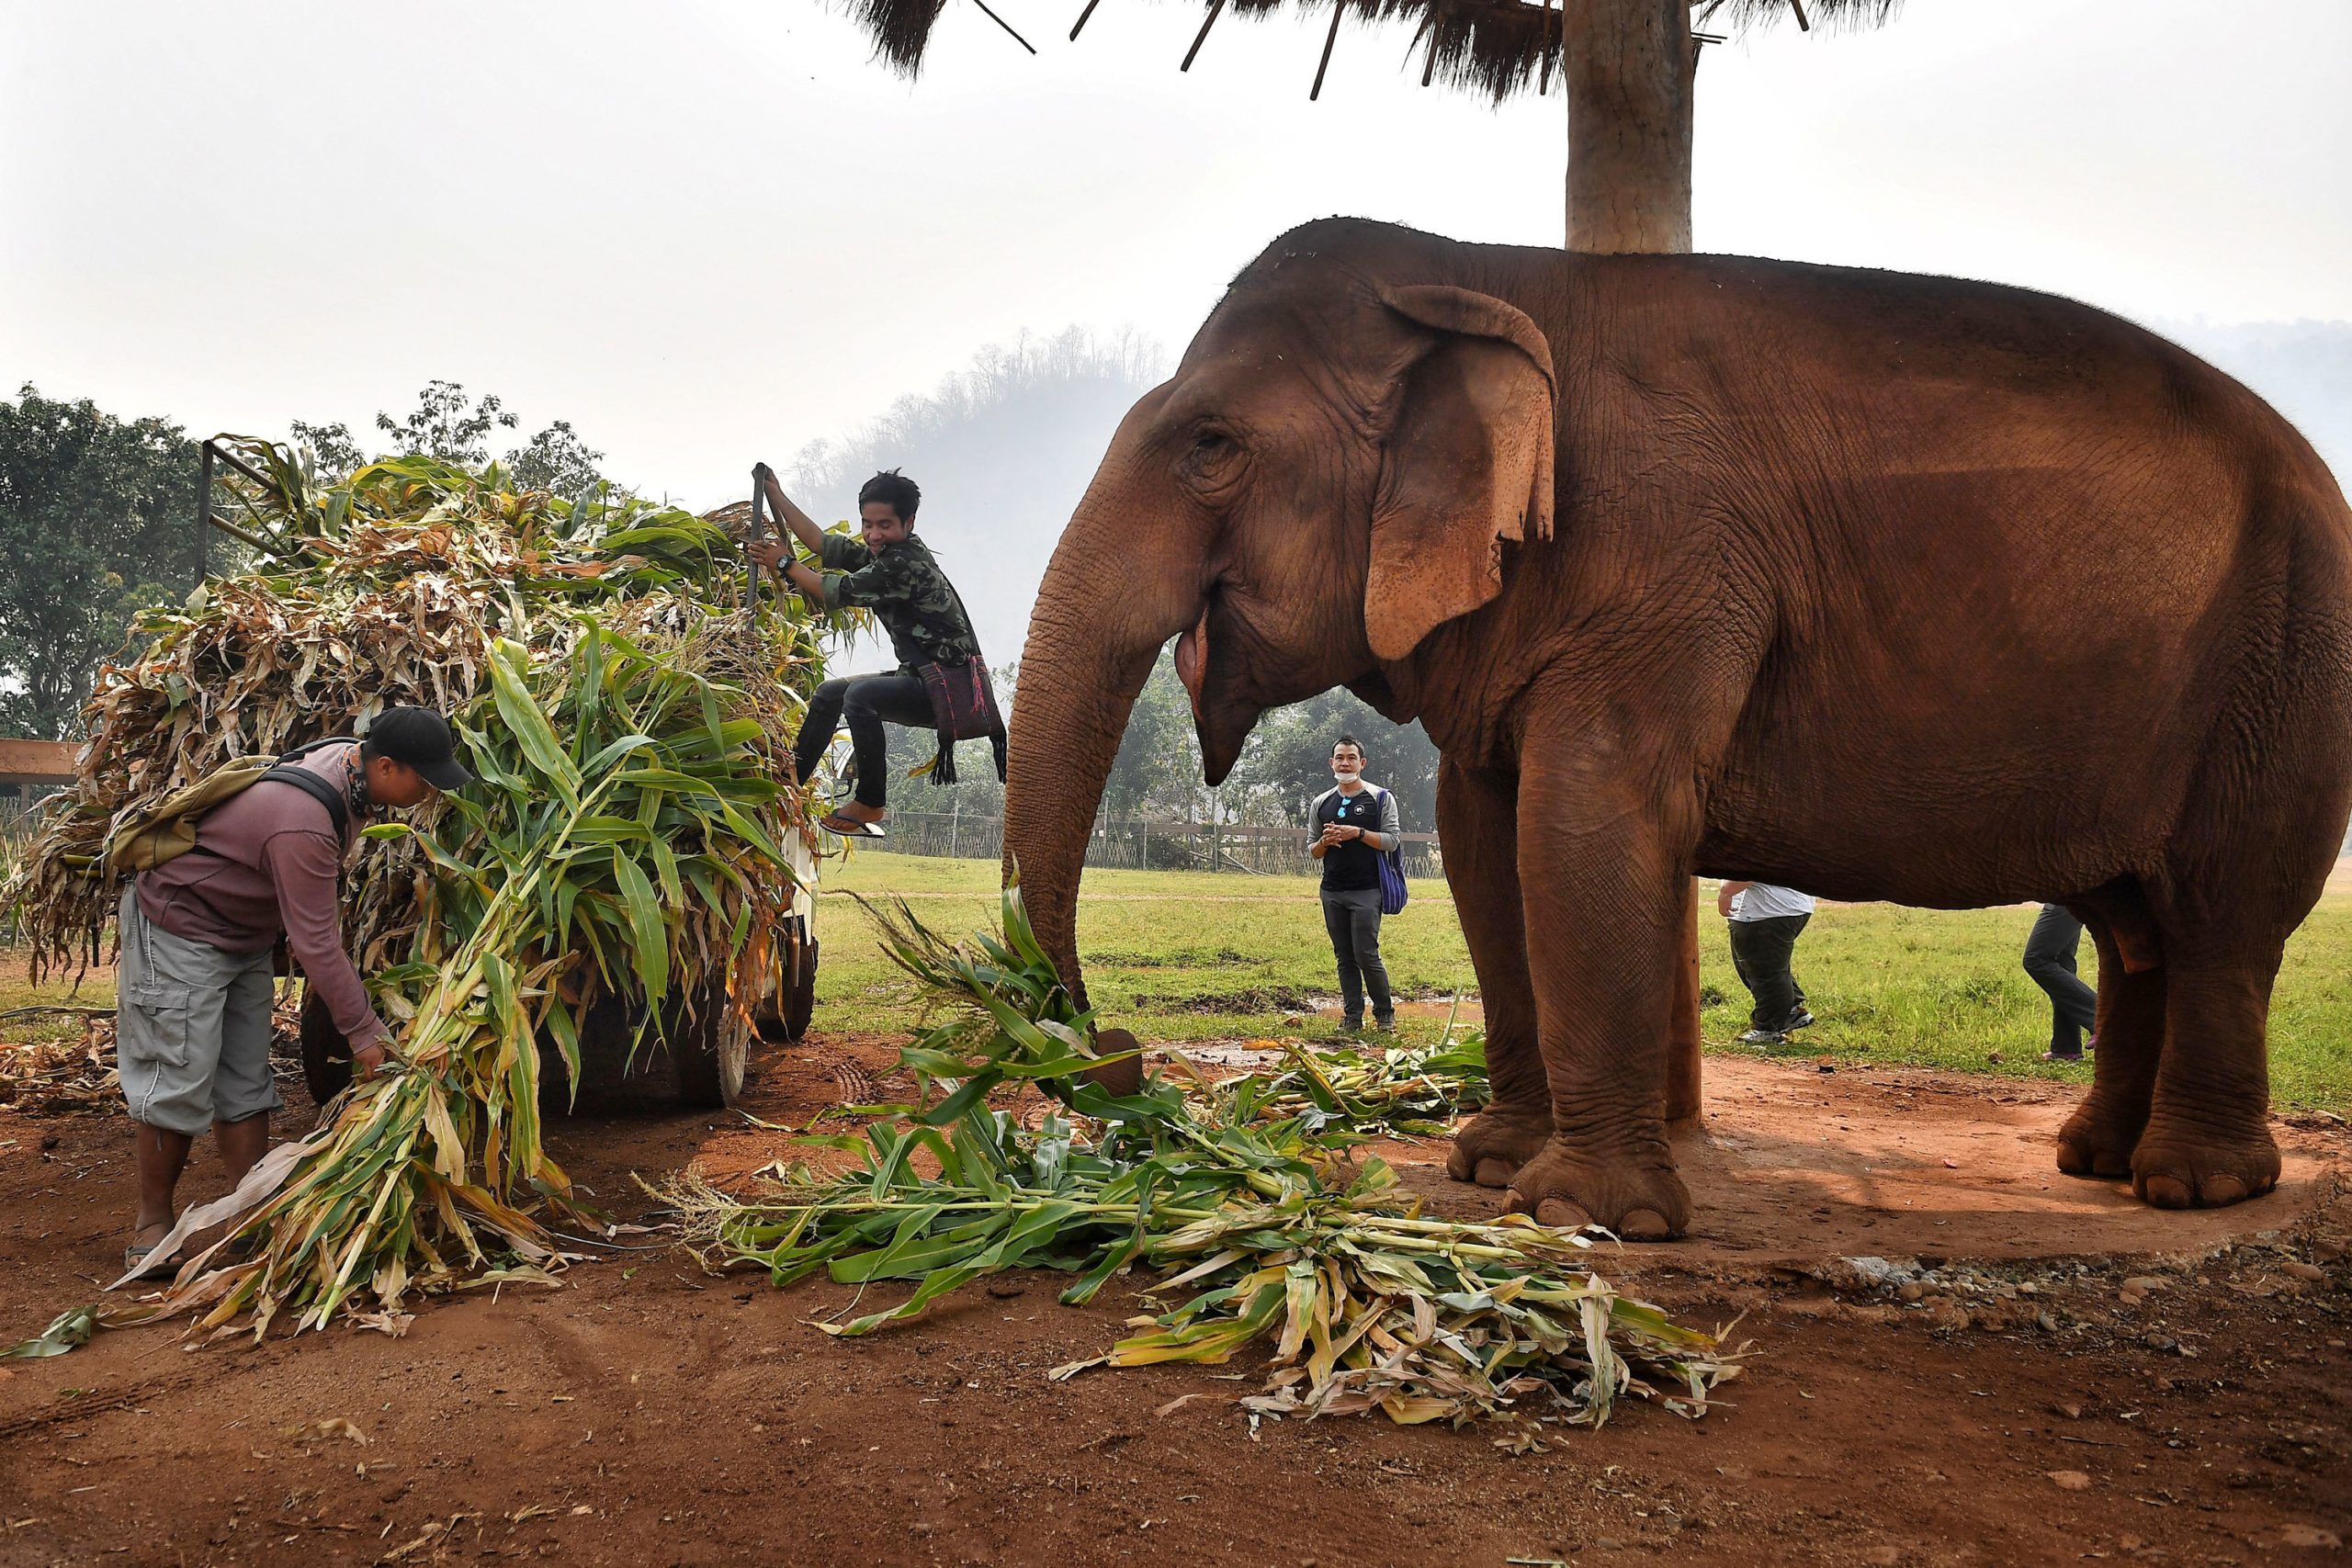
(1963, 1357)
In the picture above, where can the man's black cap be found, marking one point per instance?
(420, 737)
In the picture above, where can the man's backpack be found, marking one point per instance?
(166, 830)
(1392, 869)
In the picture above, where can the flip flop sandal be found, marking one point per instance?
(136, 1263)
(850, 828)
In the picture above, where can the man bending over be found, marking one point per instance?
(193, 1021)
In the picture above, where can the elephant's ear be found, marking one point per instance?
(1467, 462)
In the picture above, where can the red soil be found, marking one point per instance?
(648, 1413)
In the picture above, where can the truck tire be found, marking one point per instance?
(700, 1066)
(783, 1016)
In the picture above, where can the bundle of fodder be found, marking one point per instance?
(625, 728)
(388, 587)
(1368, 1303)
(1402, 1090)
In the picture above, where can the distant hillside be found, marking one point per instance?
(2304, 368)
(1003, 451)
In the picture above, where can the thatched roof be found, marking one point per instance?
(1496, 47)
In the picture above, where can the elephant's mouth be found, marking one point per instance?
(1192, 660)
(1220, 720)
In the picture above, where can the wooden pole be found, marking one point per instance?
(1216, 8)
(1338, 10)
(999, 21)
(1627, 69)
(1081, 18)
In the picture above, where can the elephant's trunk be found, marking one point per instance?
(1099, 623)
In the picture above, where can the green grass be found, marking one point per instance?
(1179, 955)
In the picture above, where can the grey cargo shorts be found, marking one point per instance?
(191, 1028)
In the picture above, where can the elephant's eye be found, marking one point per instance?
(1212, 445)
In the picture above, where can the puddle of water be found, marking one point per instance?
(1211, 1054)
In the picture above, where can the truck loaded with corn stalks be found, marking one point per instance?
(673, 925)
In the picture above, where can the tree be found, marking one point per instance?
(1289, 761)
(97, 519)
(448, 424)
(1158, 763)
(1626, 70)
(556, 460)
(333, 446)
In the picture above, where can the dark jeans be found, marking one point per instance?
(1760, 951)
(1353, 920)
(866, 701)
(2050, 959)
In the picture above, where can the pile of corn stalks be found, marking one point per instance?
(1400, 1090)
(64, 1077)
(626, 727)
(60, 1077)
(391, 586)
(1368, 1303)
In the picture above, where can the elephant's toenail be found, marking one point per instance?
(2167, 1192)
(1457, 1165)
(1496, 1172)
(2224, 1190)
(1644, 1225)
(1560, 1212)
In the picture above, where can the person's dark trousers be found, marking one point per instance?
(866, 702)
(2050, 959)
(1760, 951)
(1353, 920)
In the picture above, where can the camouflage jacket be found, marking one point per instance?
(908, 594)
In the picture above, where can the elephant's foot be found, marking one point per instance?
(2180, 1167)
(2099, 1138)
(1639, 1200)
(1490, 1147)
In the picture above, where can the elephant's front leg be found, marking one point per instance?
(1604, 845)
(1476, 813)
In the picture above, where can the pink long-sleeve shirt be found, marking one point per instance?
(266, 864)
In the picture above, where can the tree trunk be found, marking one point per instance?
(1628, 78)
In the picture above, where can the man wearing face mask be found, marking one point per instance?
(1354, 825)
(198, 931)
(890, 572)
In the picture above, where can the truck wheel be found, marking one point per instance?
(783, 1016)
(708, 1057)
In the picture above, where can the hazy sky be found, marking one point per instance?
(706, 232)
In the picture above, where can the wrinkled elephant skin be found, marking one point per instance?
(1886, 587)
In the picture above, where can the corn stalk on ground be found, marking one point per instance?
(625, 725)
(1241, 1194)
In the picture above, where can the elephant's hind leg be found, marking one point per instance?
(2099, 1138)
(2207, 1139)
(1477, 812)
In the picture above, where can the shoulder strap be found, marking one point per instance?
(317, 788)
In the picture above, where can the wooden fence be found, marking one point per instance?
(1134, 844)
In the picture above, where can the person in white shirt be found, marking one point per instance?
(1765, 920)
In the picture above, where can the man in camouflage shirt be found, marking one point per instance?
(890, 573)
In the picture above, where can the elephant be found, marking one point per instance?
(1888, 587)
